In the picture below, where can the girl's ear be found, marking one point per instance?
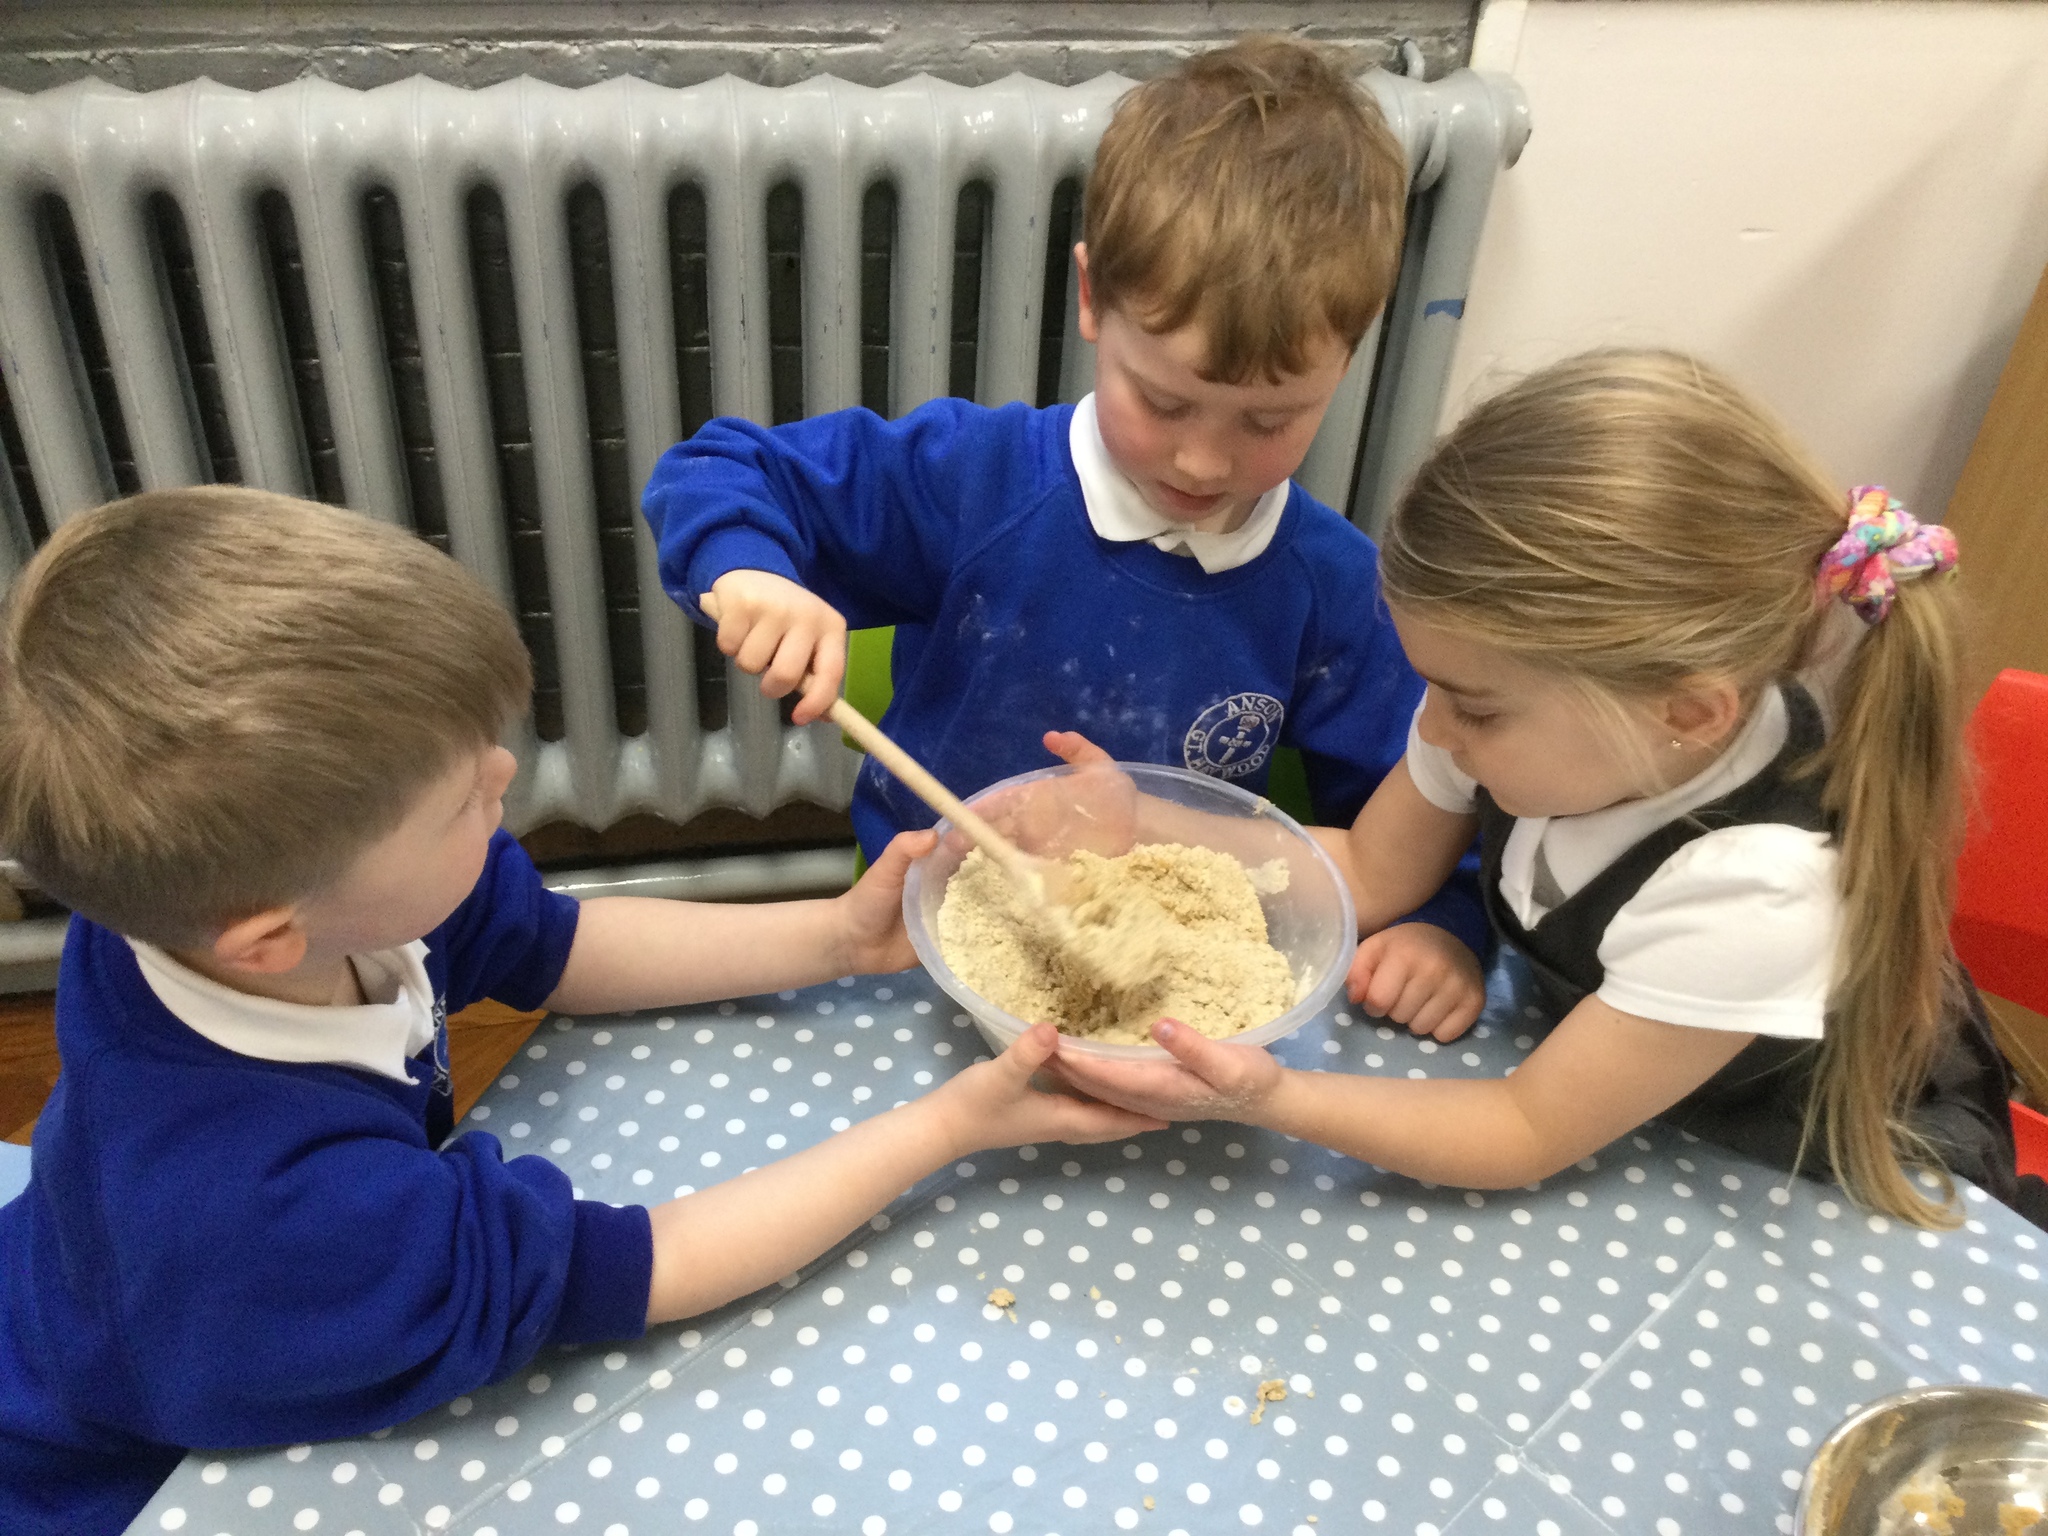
(1702, 711)
(268, 943)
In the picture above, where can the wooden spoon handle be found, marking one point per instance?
(919, 780)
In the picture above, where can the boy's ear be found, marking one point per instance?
(267, 943)
(1703, 711)
(1085, 318)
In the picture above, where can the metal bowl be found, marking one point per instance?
(1935, 1461)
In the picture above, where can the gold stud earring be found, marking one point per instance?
(1676, 744)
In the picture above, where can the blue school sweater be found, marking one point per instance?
(965, 527)
(218, 1251)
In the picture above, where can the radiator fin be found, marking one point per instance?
(497, 314)
(79, 318)
(192, 344)
(302, 346)
(970, 241)
(1055, 315)
(19, 498)
(877, 270)
(785, 227)
(398, 330)
(690, 294)
(611, 481)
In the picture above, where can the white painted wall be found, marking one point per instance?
(1845, 203)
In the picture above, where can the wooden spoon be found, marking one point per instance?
(1121, 945)
(1028, 872)
(1044, 882)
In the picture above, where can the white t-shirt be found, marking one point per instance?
(397, 1023)
(1118, 511)
(1736, 930)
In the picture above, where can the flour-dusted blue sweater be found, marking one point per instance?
(218, 1251)
(965, 528)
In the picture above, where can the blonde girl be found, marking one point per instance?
(1613, 577)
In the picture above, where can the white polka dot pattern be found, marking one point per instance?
(1652, 1341)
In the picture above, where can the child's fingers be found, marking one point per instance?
(904, 849)
(1417, 992)
(1451, 1028)
(791, 660)
(1462, 1016)
(1202, 1056)
(1364, 966)
(732, 631)
(1072, 747)
(759, 646)
(827, 671)
(1087, 1121)
(1056, 1073)
(1435, 1012)
(1383, 991)
(1030, 1051)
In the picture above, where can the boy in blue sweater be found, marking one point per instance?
(1139, 567)
(251, 742)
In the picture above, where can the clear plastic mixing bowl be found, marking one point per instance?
(1053, 811)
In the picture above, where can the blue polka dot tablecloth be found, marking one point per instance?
(1652, 1341)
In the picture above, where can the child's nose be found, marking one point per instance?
(1196, 459)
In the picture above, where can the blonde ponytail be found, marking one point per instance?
(1631, 521)
(1893, 768)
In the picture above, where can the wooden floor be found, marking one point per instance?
(481, 1040)
(28, 1062)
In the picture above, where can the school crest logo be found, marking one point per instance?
(443, 1079)
(1233, 739)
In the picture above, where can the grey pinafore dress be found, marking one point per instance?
(1757, 1102)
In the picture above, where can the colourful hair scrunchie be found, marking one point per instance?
(1883, 545)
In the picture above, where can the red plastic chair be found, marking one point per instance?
(2000, 928)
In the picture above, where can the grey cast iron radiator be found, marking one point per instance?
(484, 313)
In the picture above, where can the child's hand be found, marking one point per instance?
(1095, 808)
(1419, 975)
(871, 914)
(772, 626)
(1206, 1079)
(992, 1103)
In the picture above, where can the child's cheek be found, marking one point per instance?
(1136, 450)
(1282, 455)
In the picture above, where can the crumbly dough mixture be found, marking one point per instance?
(1180, 928)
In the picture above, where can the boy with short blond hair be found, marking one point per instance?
(1139, 567)
(252, 741)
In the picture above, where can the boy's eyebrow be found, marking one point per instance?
(1311, 396)
(1152, 386)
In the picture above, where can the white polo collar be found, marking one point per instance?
(1118, 511)
(379, 1036)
